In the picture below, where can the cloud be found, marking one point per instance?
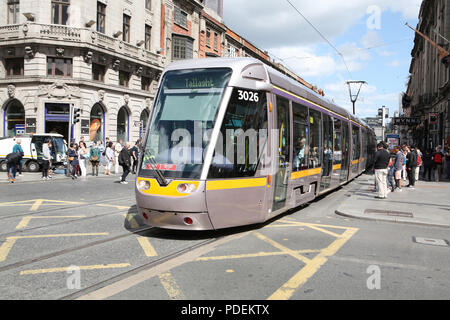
(394, 64)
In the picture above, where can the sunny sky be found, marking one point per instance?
(371, 35)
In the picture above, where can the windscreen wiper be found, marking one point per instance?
(154, 166)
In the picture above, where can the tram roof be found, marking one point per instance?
(276, 78)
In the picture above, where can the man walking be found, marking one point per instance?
(438, 160)
(381, 163)
(18, 149)
(411, 165)
(12, 160)
(125, 162)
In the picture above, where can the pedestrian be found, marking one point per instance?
(438, 160)
(447, 160)
(12, 159)
(82, 155)
(18, 149)
(381, 162)
(405, 153)
(109, 158)
(117, 149)
(94, 157)
(419, 163)
(125, 162)
(427, 160)
(135, 156)
(72, 157)
(391, 175)
(101, 148)
(398, 167)
(411, 165)
(46, 157)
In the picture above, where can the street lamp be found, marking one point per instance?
(354, 97)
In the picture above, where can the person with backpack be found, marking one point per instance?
(411, 165)
(438, 160)
(18, 149)
(12, 159)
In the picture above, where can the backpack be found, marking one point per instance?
(438, 158)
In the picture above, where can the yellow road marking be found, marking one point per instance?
(288, 289)
(113, 206)
(282, 248)
(131, 220)
(253, 255)
(147, 247)
(171, 287)
(324, 231)
(36, 203)
(24, 222)
(64, 269)
(6, 247)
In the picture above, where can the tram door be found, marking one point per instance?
(327, 167)
(345, 150)
(282, 154)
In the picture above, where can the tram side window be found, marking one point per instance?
(337, 154)
(301, 137)
(356, 150)
(364, 143)
(243, 136)
(315, 144)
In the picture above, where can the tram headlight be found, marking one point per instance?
(143, 185)
(186, 188)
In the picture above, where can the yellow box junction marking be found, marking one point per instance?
(112, 206)
(171, 287)
(10, 241)
(311, 264)
(64, 269)
(147, 246)
(36, 203)
(24, 222)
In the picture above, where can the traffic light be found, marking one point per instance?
(75, 115)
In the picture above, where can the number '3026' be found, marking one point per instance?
(248, 96)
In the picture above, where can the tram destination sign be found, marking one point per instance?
(406, 121)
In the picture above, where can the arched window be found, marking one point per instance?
(144, 119)
(97, 123)
(14, 119)
(122, 124)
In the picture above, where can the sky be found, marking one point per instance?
(367, 41)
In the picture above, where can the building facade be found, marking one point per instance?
(104, 57)
(428, 93)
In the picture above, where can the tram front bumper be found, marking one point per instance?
(177, 220)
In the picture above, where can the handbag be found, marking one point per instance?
(94, 158)
(70, 158)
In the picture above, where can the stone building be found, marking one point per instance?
(104, 57)
(428, 93)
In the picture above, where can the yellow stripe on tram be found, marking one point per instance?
(305, 173)
(235, 184)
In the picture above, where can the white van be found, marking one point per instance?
(32, 149)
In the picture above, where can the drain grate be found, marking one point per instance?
(432, 242)
(389, 213)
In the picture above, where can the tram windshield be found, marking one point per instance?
(182, 121)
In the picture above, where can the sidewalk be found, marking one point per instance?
(427, 204)
(37, 176)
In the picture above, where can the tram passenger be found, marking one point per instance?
(299, 151)
(314, 157)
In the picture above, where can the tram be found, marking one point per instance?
(232, 142)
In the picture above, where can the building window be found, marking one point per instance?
(126, 28)
(182, 48)
(232, 52)
(148, 4)
(216, 37)
(13, 11)
(101, 15)
(208, 38)
(59, 67)
(14, 67)
(98, 72)
(148, 37)
(180, 17)
(60, 11)
(145, 83)
(124, 78)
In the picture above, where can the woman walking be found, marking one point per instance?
(94, 156)
(109, 157)
(82, 155)
(72, 157)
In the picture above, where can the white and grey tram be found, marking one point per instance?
(233, 142)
